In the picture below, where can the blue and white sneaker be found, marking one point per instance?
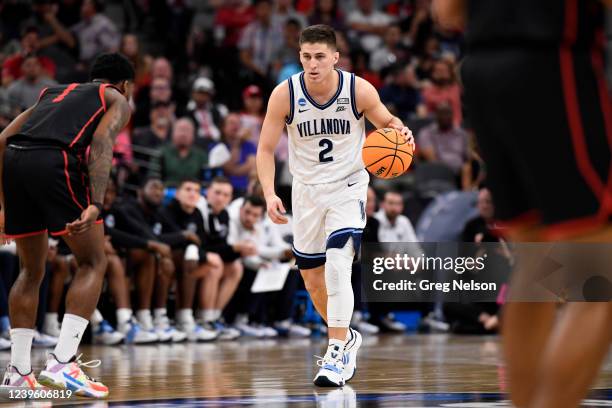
(331, 372)
(226, 332)
(42, 340)
(136, 335)
(349, 357)
(168, 333)
(105, 334)
(197, 333)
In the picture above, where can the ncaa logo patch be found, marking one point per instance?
(157, 228)
(302, 102)
(343, 101)
(109, 221)
(192, 227)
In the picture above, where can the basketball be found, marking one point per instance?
(386, 154)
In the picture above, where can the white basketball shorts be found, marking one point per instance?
(326, 216)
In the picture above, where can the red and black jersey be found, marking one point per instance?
(65, 116)
(534, 23)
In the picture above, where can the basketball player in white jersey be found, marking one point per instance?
(323, 109)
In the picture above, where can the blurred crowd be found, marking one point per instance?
(185, 217)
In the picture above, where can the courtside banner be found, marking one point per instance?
(486, 272)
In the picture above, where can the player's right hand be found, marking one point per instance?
(193, 237)
(86, 220)
(276, 210)
(162, 249)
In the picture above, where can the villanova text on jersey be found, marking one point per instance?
(328, 127)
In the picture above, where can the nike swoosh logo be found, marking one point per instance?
(351, 185)
(303, 110)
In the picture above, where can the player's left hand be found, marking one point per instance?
(86, 221)
(407, 133)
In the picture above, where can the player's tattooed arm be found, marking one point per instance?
(101, 152)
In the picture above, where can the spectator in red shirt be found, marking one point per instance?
(11, 69)
(233, 17)
(443, 88)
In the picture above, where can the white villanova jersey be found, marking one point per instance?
(325, 141)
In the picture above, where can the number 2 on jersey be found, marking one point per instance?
(327, 148)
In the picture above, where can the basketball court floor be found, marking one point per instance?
(393, 371)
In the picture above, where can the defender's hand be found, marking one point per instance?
(276, 210)
(407, 133)
(86, 221)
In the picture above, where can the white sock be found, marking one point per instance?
(217, 314)
(96, 318)
(160, 312)
(21, 346)
(145, 319)
(185, 316)
(209, 315)
(123, 315)
(51, 320)
(70, 337)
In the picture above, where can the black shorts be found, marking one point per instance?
(44, 189)
(543, 122)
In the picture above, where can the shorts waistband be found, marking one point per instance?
(36, 147)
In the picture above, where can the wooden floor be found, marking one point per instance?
(393, 371)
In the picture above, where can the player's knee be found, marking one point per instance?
(338, 269)
(233, 270)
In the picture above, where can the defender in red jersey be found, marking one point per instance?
(49, 186)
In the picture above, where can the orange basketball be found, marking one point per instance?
(386, 154)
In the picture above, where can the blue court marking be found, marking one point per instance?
(597, 398)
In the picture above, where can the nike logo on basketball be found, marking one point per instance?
(303, 110)
(351, 185)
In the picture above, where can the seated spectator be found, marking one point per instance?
(147, 141)
(130, 47)
(96, 33)
(327, 12)
(478, 318)
(260, 41)
(368, 24)
(207, 114)
(252, 116)
(216, 291)
(284, 12)
(481, 228)
(11, 68)
(392, 52)
(143, 216)
(444, 142)
(393, 226)
(443, 88)
(25, 91)
(235, 153)
(232, 17)
(402, 96)
(181, 159)
(193, 262)
(287, 58)
(160, 90)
